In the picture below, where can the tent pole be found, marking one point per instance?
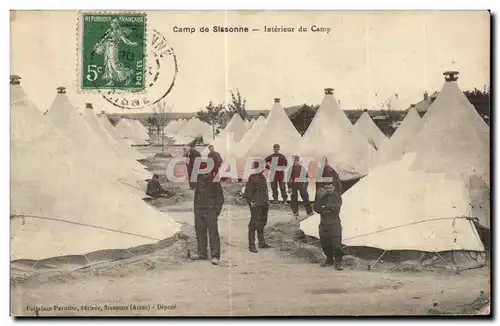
(88, 261)
(375, 263)
(457, 270)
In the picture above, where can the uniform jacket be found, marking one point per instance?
(329, 172)
(327, 202)
(256, 190)
(297, 172)
(192, 154)
(208, 193)
(215, 156)
(279, 175)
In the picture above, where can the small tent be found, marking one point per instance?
(369, 129)
(331, 134)
(393, 148)
(125, 147)
(277, 129)
(237, 127)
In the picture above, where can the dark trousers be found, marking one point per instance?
(330, 236)
(258, 220)
(190, 172)
(302, 189)
(206, 227)
(274, 188)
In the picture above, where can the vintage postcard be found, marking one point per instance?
(250, 163)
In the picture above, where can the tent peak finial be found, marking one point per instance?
(277, 100)
(15, 79)
(450, 75)
(61, 90)
(328, 91)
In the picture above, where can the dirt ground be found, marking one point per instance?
(276, 281)
(272, 282)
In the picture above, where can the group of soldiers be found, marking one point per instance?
(209, 200)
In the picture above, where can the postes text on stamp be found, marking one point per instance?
(113, 51)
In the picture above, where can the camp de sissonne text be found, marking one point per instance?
(244, 29)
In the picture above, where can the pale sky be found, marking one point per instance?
(364, 53)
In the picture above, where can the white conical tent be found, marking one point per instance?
(139, 130)
(111, 144)
(394, 208)
(60, 204)
(277, 129)
(250, 136)
(454, 140)
(127, 130)
(125, 147)
(331, 134)
(205, 131)
(174, 127)
(369, 129)
(237, 127)
(141, 127)
(187, 129)
(138, 133)
(392, 149)
(65, 117)
(224, 144)
(251, 123)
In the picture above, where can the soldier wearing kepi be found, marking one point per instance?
(208, 202)
(328, 203)
(279, 177)
(298, 183)
(258, 200)
(216, 158)
(191, 154)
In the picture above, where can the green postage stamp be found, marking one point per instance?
(113, 51)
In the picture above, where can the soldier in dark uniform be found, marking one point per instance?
(216, 158)
(279, 176)
(328, 203)
(208, 202)
(257, 198)
(154, 188)
(330, 175)
(191, 154)
(298, 183)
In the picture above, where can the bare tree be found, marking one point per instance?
(161, 111)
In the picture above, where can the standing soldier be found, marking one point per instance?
(328, 203)
(298, 183)
(216, 158)
(330, 176)
(208, 202)
(258, 200)
(191, 154)
(279, 175)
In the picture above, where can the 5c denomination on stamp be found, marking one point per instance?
(113, 51)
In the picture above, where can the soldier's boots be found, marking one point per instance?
(253, 249)
(264, 246)
(327, 262)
